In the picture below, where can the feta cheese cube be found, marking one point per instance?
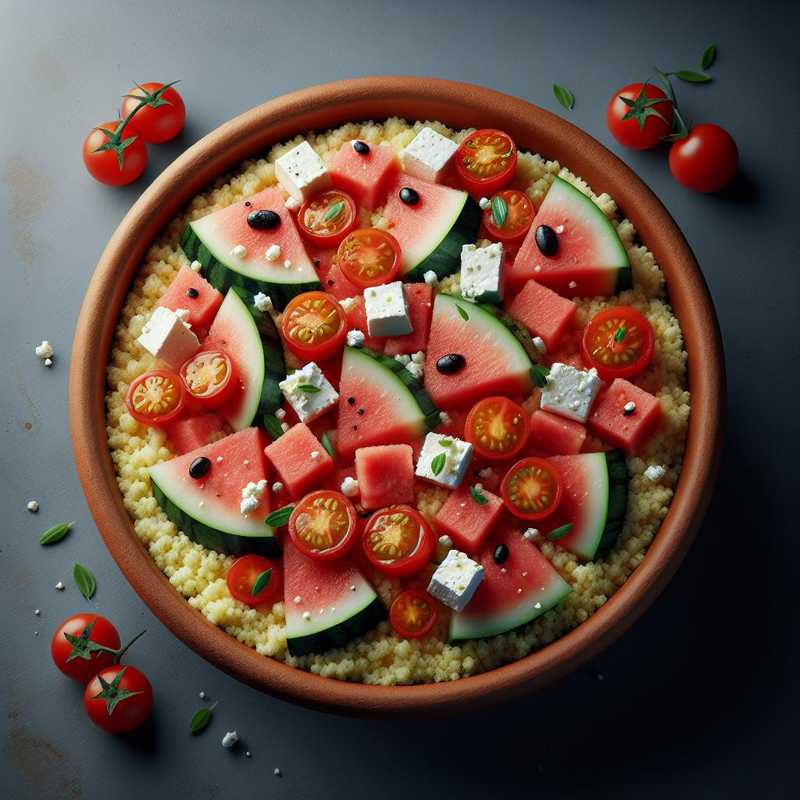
(301, 172)
(309, 392)
(482, 272)
(428, 154)
(444, 460)
(387, 312)
(570, 392)
(167, 337)
(455, 580)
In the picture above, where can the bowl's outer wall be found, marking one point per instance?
(460, 106)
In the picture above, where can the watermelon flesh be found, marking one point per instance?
(291, 457)
(466, 521)
(419, 301)
(590, 254)
(498, 606)
(335, 282)
(544, 313)
(201, 308)
(192, 432)
(356, 316)
(554, 435)
(630, 432)
(364, 177)
(385, 475)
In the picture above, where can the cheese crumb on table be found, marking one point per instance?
(33, 506)
(230, 739)
(44, 350)
(455, 580)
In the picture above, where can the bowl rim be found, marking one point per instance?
(459, 105)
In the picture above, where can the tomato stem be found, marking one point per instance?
(121, 652)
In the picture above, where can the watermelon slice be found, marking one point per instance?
(496, 361)
(498, 605)
(207, 509)
(590, 255)
(385, 475)
(327, 603)
(419, 301)
(364, 176)
(380, 402)
(192, 432)
(191, 291)
(212, 239)
(432, 232)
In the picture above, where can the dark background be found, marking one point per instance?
(700, 698)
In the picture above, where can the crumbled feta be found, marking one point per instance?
(60, 586)
(239, 251)
(559, 229)
(277, 487)
(202, 695)
(572, 285)
(292, 203)
(570, 392)
(349, 487)
(428, 155)
(445, 418)
(309, 392)
(629, 408)
(455, 580)
(482, 272)
(444, 460)
(195, 266)
(287, 264)
(347, 303)
(655, 472)
(387, 313)
(273, 252)
(262, 302)
(531, 534)
(306, 615)
(431, 278)
(484, 203)
(280, 413)
(415, 368)
(445, 541)
(403, 358)
(418, 357)
(33, 506)
(36, 612)
(167, 337)
(48, 362)
(486, 473)
(230, 739)
(44, 350)
(301, 172)
(251, 496)
(284, 426)
(355, 338)
(315, 455)
(297, 599)
(539, 344)
(277, 771)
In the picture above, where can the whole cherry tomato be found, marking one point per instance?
(705, 160)
(162, 114)
(83, 645)
(639, 115)
(118, 699)
(113, 155)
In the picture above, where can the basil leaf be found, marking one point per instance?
(200, 719)
(560, 532)
(84, 580)
(539, 375)
(463, 314)
(273, 426)
(279, 517)
(261, 582)
(689, 76)
(709, 56)
(480, 498)
(620, 333)
(445, 442)
(499, 211)
(437, 465)
(325, 441)
(308, 388)
(56, 533)
(564, 96)
(334, 211)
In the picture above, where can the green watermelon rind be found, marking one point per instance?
(617, 505)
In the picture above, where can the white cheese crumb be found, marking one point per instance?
(431, 278)
(572, 285)
(347, 303)
(262, 302)
(445, 540)
(202, 695)
(48, 362)
(314, 455)
(195, 266)
(219, 459)
(277, 771)
(36, 612)
(349, 487)
(273, 252)
(284, 426)
(559, 229)
(44, 350)
(484, 203)
(247, 754)
(239, 251)
(230, 739)
(287, 264)
(292, 203)
(629, 407)
(486, 473)
(60, 587)
(531, 534)
(306, 615)
(251, 496)
(33, 506)
(280, 413)
(355, 338)
(277, 487)
(539, 344)
(297, 599)
(445, 418)
(655, 472)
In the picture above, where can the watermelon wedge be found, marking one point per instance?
(498, 605)
(590, 259)
(207, 509)
(191, 291)
(212, 239)
(364, 175)
(327, 603)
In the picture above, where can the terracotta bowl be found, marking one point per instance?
(458, 105)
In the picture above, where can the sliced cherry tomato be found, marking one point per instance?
(413, 614)
(114, 156)
(162, 116)
(639, 116)
(531, 489)
(156, 397)
(618, 342)
(327, 218)
(245, 573)
(369, 257)
(705, 160)
(497, 427)
(485, 161)
(209, 378)
(323, 525)
(397, 541)
(118, 699)
(314, 326)
(519, 213)
(80, 646)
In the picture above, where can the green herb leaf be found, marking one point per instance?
(445, 442)
(308, 388)
(620, 333)
(539, 374)
(84, 580)
(709, 56)
(325, 441)
(200, 719)
(56, 533)
(564, 96)
(479, 497)
(560, 532)
(279, 517)
(273, 426)
(437, 465)
(499, 211)
(333, 211)
(261, 582)
(462, 312)
(689, 76)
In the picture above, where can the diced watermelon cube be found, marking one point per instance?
(364, 177)
(419, 301)
(193, 432)
(385, 475)
(554, 435)
(202, 308)
(467, 521)
(336, 283)
(629, 431)
(356, 314)
(291, 457)
(543, 312)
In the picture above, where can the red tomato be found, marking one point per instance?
(531, 489)
(245, 573)
(368, 257)
(323, 525)
(209, 378)
(314, 326)
(113, 157)
(80, 646)
(485, 162)
(497, 428)
(118, 699)
(413, 614)
(161, 117)
(327, 218)
(644, 121)
(397, 541)
(518, 217)
(706, 160)
(156, 397)
(618, 342)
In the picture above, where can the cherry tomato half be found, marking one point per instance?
(245, 573)
(209, 377)
(162, 116)
(102, 161)
(397, 541)
(314, 326)
(706, 160)
(413, 614)
(516, 221)
(156, 397)
(327, 218)
(618, 342)
(644, 124)
(368, 257)
(323, 525)
(79, 657)
(497, 427)
(122, 702)
(531, 489)
(485, 161)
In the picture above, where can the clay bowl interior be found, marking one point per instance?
(458, 105)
